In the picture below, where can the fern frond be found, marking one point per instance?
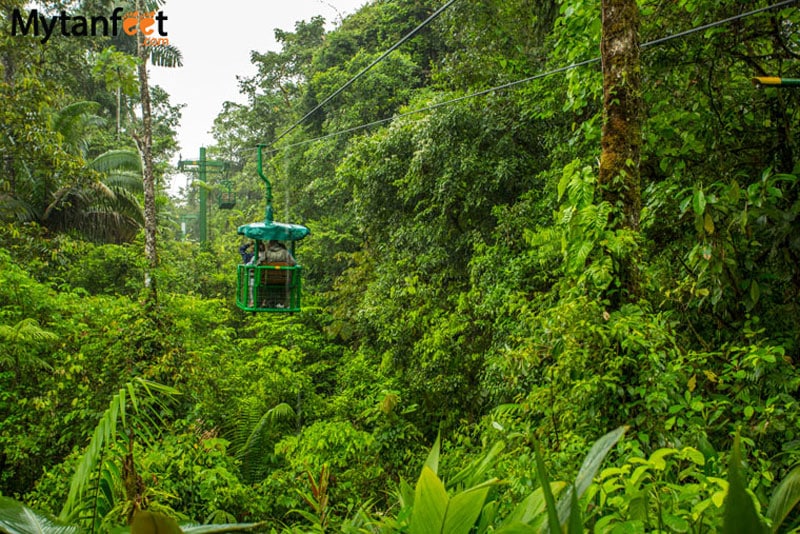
(257, 453)
(26, 331)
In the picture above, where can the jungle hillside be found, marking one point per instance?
(552, 281)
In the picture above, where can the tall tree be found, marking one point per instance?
(621, 139)
(144, 142)
(118, 71)
(165, 56)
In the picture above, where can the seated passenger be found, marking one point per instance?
(276, 252)
(276, 293)
(244, 251)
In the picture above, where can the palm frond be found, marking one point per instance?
(117, 160)
(108, 227)
(102, 189)
(153, 5)
(15, 208)
(72, 121)
(72, 115)
(124, 203)
(221, 528)
(127, 204)
(106, 432)
(16, 518)
(166, 56)
(784, 499)
(126, 181)
(65, 199)
(106, 210)
(103, 494)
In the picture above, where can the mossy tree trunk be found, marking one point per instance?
(621, 140)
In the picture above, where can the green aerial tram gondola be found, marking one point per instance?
(267, 284)
(226, 197)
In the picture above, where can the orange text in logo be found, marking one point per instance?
(144, 22)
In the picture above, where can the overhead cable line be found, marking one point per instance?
(366, 69)
(571, 66)
(717, 23)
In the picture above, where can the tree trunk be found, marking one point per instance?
(145, 144)
(621, 140)
(119, 106)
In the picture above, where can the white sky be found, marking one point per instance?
(216, 40)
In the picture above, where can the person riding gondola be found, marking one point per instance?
(272, 280)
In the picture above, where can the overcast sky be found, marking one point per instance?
(216, 40)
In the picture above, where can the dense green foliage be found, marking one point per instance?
(463, 279)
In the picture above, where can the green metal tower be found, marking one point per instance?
(202, 166)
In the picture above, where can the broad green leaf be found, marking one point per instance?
(593, 460)
(684, 205)
(784, 499)
(224, 527)
(699, 202)
(430, 504)
(629, 527)
(473, 473)
(675, 523)
(562, 184)
(734, 192)
(740, 513)
(464, 509)
(433, 457)
(658, 458)
(516, 528)
(637, 509)
(591, 464)
(534, 504)
(16, 518)
(708, 223)
(488, 515)
(575, 523)
(406, 493)
(147, 522)
(693, 455)
(550, 502)
(755, 291)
